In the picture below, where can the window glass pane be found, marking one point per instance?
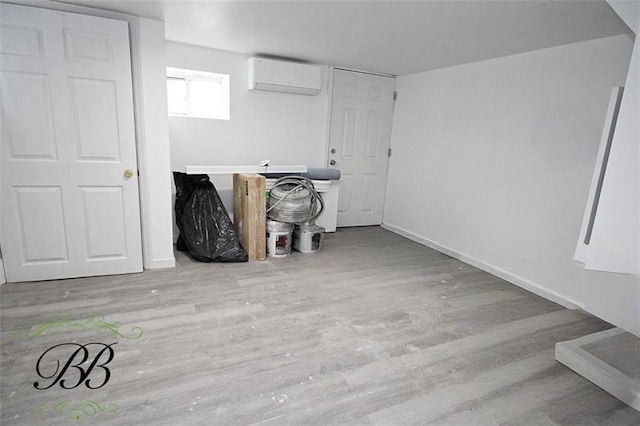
(200, 94)
(177, 95)
(205, 98)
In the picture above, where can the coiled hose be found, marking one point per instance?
(294, 199)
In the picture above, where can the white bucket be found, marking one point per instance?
(308, 238)
(279, 238)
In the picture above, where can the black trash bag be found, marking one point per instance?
(206, 231)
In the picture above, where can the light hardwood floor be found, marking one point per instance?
(374, 329)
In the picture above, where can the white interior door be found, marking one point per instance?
(361, 114)
(69, 176)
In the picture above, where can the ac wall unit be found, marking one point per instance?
(283, 76)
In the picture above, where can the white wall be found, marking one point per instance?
(3, 279)
(287, 129)
(492, 163)
(284, 128)
(2, 276)
(152, 132)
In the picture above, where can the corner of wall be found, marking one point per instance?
(628, 11)
(511, 202)
(149, 56)
(521, 282)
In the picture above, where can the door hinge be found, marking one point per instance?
(395, 95)
(389, 153)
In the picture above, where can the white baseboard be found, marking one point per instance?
(524, 283)
(169, 262)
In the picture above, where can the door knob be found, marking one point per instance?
(128, 174)
(333, 150)
(332, 162)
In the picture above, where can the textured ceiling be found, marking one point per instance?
(394, 37)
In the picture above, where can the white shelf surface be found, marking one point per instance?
(229, 170)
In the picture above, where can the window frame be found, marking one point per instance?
(189, 76)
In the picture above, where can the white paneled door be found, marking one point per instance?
(70, 203)
(361, 114)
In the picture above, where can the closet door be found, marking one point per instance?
(70, 203)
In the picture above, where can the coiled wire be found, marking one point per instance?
(294, 199)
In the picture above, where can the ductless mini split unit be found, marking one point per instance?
(284, 76)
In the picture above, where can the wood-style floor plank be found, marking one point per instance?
(372, 330)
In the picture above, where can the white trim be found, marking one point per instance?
(3, 278)
(73, 8)
(327, 124)
(524, 283)
(141, 150)
(160, 263)
(194, 74)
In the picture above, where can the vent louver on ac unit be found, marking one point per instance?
(283, 76)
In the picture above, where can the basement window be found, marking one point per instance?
(198, 94)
